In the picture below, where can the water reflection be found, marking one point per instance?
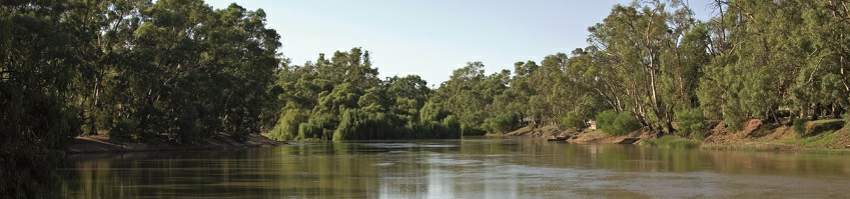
(471, 168)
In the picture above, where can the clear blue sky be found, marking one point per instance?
(432, 38)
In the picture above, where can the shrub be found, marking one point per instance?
(351, 126)
(800, 126)
(501, 123)
(319, 126)
(573, 120)
(690, 123)
(287, 126)
(309, 130)
(615, 123)
(125, 130)
(453, 127)
(734, 119)
(605, 119)
(360, 124)
(431, 112)
(847, 118)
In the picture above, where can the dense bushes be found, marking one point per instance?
(309, 130)
(342, 98)
(361, 124)
(126, 130)
(847, 118)
(617, 123)
(31, 125)
(501, 123)
(690, 123)
(287, 125)
(799, 126)
(573, 120)
(357, 124)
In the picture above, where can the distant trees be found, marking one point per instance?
(180, 71)
(470, 95)
(771, 60)
(342, 98)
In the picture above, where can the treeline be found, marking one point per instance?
(653, 65)
(180, 71)
(175, 71)
(342, 98)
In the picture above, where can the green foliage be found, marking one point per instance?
(626, 123)
(181, 71)
(691, 123)
(358, 124)
(573, 120)
(361, 125)
(606, 118)
(344, 100)
(126, 130)
(847, 118)
(833, 140)
(617, 123)
(800, 126)
(734, 122)
(309, 130)
(287, 127)
(469, 95)
(39, 63)
(453, 126)
(431, 111)
(501, 123)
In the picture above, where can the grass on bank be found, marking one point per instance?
(672, 141)
(831, 139)
(826, 134)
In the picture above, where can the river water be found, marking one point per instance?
(468, 168)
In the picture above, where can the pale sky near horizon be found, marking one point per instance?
(432, 38)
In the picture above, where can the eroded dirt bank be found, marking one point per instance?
(755, 135)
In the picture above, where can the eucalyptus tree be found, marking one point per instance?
(38, 63)
(650, 58)
(776, 56)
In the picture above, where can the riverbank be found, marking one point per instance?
(820, 135)
(102, 144)
(551, 132)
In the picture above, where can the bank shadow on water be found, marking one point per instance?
(493, 168)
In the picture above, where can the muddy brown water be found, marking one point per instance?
(468, 168)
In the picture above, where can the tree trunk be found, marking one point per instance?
(816, 111)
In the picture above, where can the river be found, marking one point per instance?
(468, 168)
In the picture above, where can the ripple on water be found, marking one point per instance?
(384, 164)
(437, 145)
(391, 145)
(443, 160)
